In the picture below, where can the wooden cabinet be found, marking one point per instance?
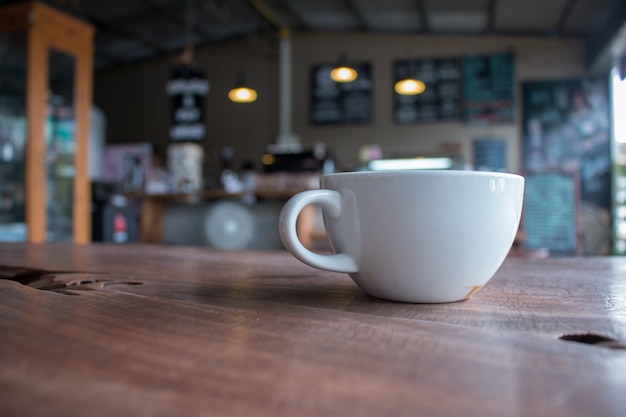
(49, 33)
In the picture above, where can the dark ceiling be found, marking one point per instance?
(129, 31)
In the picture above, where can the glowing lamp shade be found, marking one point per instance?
(242, 95)
(343, 74)
(410, 87)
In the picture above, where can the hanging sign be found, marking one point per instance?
(187, 89)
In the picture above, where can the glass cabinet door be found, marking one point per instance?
(12, 136)
(46, 71)
(60, 136)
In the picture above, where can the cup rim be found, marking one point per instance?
(437, 172)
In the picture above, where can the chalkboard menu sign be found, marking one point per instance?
(341, 103)
(489, 88)
(442, 97)
(550, 212)
(566, 125)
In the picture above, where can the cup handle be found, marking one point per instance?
(330, 201)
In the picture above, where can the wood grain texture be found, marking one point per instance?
(91, 330)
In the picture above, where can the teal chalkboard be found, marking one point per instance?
(550, 213)
(489, 88)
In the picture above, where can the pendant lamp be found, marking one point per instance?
(241, 93)
(410, 87)
(343, 73)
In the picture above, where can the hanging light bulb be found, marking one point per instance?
(410, 87)
(343, 73)
(241, 93)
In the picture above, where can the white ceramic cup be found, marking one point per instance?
(412, 236)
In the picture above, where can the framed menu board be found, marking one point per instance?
(340, 103)
(489, 88)
(442, 97)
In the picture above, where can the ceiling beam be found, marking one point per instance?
(242, 16)
(566, 11)
(177, 20)
(122, 31)
(295, 14)
(424, 22)
(163, 12)
(357, 11)
(232, 13)
(599, 43)
(492, 8)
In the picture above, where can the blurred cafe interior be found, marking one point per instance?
(191, 122)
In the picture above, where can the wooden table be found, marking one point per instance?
(103, 330)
